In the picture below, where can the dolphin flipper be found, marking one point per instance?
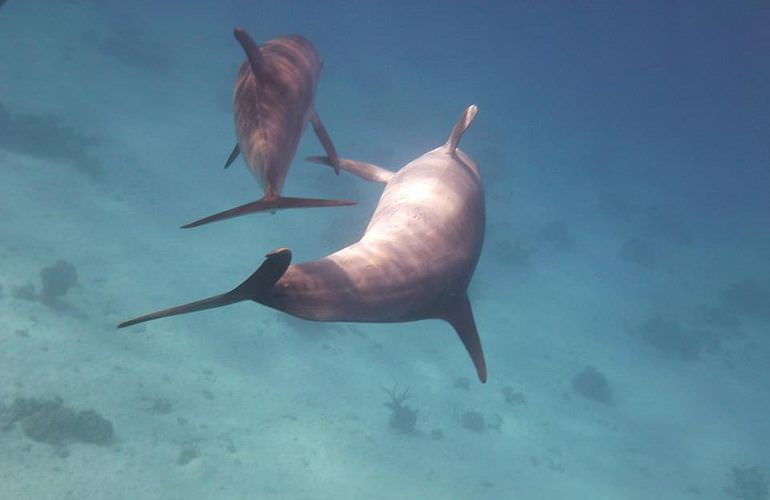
(366, 171)
(254, 287)
(269, 204)
(462, 124)
(326, 141)
(460, 316)
(236, 151)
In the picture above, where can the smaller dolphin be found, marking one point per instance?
(273, 101)
(414, 261)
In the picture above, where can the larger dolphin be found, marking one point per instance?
(273, 101)
(414, 261)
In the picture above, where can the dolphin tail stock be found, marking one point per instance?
(254, 287)
(366, 171)
(269, 204)
(233, 155)
(460, 316)
(462, 124)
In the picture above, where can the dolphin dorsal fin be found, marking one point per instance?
(252, 53)
(460, 127)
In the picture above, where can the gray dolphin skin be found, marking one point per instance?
(414, 261)
(273, 102)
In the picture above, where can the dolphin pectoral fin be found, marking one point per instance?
(326, 141)
(364, 170)
(462, 124)
(254, 287)
(236, 151)
(460, 316)
(271, 204)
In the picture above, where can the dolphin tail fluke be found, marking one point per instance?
(460, 316)
(462, 124)
(271, 204)
(366, 171)
(255, 286)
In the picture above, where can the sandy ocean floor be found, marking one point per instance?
(120, 121)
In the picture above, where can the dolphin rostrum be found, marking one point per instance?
(414, 261)
(273, 101)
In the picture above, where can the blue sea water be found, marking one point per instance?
(622, 296)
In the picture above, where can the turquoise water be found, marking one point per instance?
(622, 296)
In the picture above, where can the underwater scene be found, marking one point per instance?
(427, 249)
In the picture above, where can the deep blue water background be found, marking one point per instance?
(625, 150)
